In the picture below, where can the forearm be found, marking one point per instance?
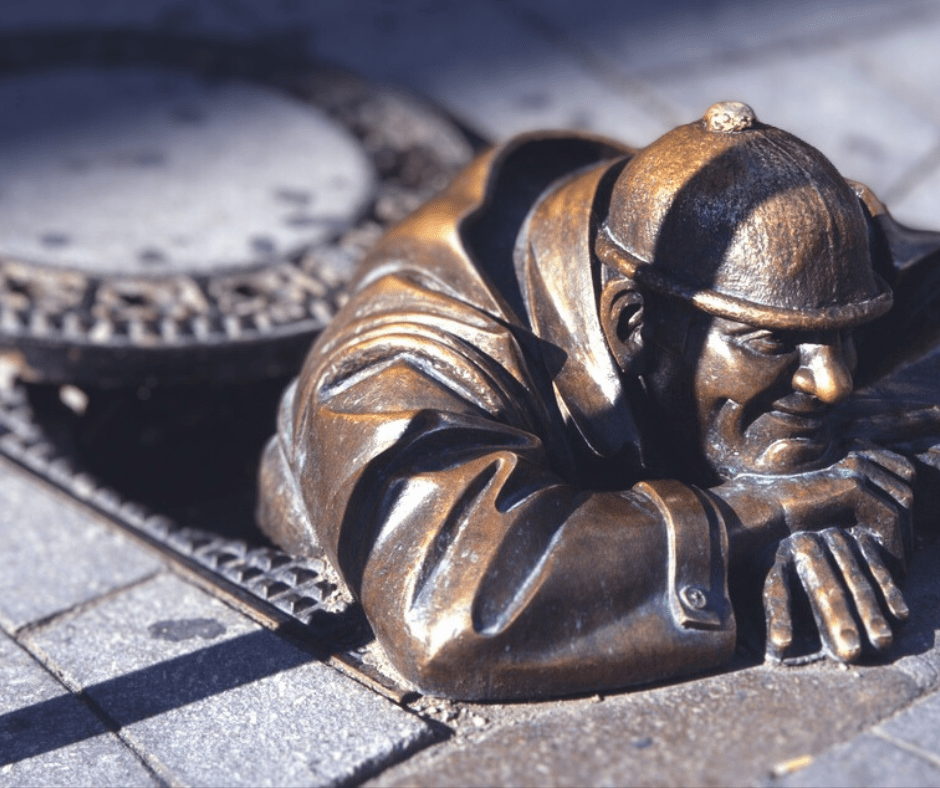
(753, 517)
(563, 591)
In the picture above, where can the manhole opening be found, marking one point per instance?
(189, 452)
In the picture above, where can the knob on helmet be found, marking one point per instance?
(747, 222)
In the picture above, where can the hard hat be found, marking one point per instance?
(747, 222)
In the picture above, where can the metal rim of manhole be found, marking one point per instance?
(65, 325)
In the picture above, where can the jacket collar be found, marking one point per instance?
(559, 276)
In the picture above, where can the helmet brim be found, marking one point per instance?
(734, 308)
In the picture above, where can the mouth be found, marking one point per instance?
(787, 435)
(798, 432)
(800, 412)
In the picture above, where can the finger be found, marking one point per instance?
(777, 610)
(837, 627)
(889, 589)
(866, 602)
(877, 476)
(884, 505)
(889, 460)
(884, 524)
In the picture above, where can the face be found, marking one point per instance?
(757, 400)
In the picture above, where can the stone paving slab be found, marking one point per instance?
(918, 726)
(56, 553)
(725, 730)
(868, 760)
(918, 639)
(869, 133)
(653, 39)
(36, 710)
(210, 698)
(920, 206)
(221, 17)
(864, 70)
(488, 67)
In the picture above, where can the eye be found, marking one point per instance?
(768, 343)
(849, 350)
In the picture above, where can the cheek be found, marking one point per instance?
(727, 372)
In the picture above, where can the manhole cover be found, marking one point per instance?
(148, 170)
(175, 210)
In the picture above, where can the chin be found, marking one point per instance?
(793, 455)
(782, 457)
(773, 443)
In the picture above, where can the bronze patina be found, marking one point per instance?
(578, 415)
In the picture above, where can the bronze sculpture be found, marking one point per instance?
(578, 394)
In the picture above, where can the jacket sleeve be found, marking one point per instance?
(484, 574)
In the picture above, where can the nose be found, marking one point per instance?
(823, 373)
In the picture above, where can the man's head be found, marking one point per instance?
(742, 265)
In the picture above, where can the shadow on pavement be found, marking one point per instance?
(145, 693)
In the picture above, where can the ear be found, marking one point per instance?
(621, 315)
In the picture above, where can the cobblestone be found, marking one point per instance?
(56, 554)
(49, 737)
(918, 726)
(695, 733)
(868, 760)
(209, 697)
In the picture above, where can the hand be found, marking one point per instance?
(869, 487)
(840, 571)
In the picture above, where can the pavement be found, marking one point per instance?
(120, 666)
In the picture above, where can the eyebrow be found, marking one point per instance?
(737, 328)
(796, 336)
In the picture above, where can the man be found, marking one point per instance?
(573, 395)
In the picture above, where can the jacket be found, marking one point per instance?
(465, 451)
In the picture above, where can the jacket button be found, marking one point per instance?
(694, 597)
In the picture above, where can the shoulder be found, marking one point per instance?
(463, 238)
